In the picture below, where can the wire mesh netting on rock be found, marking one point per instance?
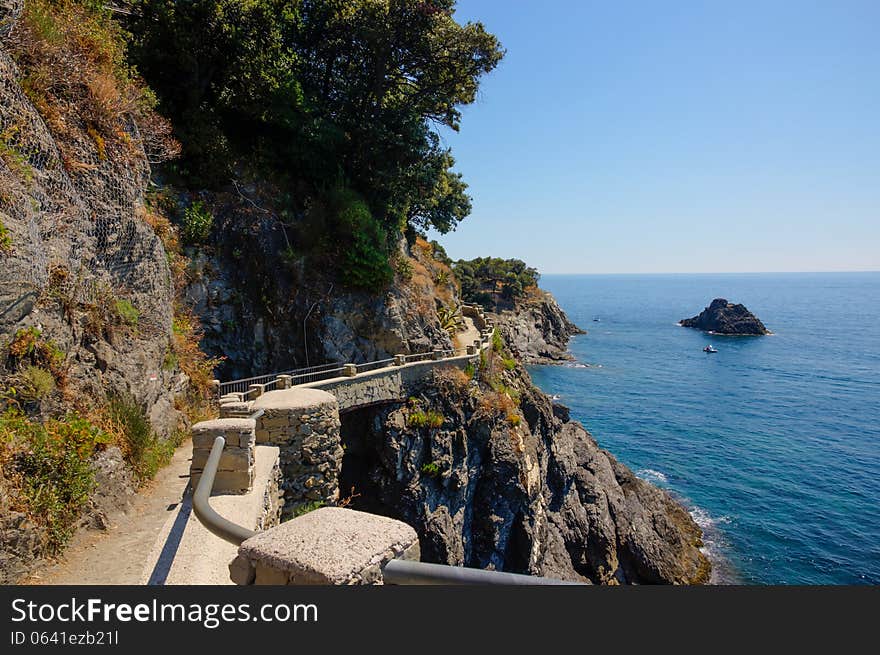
(71, 205)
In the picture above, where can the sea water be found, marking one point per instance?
(773, 443)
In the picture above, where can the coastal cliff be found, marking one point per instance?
(723, 317)
(501, 479)
(536, 329)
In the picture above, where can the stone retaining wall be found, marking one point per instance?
(235, 473)
(304, 424)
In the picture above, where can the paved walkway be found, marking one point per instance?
(157, 539)
(470, 334)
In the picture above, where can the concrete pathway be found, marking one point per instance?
(158, 539)
(120, 554)
(469, 335)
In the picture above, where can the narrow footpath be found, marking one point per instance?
(124, 554)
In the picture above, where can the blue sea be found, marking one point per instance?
(773, 443)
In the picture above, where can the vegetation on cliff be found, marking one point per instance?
(337, 103)
(491, 281)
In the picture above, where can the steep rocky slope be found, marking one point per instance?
(86, 296)
(505, 481)
(264, 308)
(536, 329)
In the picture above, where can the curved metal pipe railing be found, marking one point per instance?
(405, 572)
(216, 524)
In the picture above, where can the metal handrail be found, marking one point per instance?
(216, 524)
(404, 572)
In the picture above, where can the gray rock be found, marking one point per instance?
(722, 317)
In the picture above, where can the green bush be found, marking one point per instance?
(497, 342)
(430, 469)
(5, 239)
(305, 508)
(197, 223)
(363, 241)
(144, 450)
(508, 363)
(127, 313)
(425, 419)
(50, 465)
(38, 382)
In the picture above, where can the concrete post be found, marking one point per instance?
(471, 350)
(478, 343)
(399, 360)
(350, 370)
(437, 355)
(284, 382)
(256, 390)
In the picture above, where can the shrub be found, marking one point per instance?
(497, 342)
(404, 268)
(364, 243)
(431, 469)
(29, 346)
(514, 419)
(197, 223)
(5, 239)
(305, 508)
(508, 363)
(470, 370)
(50, 466)
(425, 419)
(127, 313)
(144, 451)
(38, 382)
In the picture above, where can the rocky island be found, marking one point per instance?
(723, 317)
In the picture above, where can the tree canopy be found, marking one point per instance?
(323, 94)
(485, 280)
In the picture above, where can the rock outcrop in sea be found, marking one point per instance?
(723, 317)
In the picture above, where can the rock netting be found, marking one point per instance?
(304, 424)
(235, 473)
(329, 546)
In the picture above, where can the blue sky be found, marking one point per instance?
(637, 137)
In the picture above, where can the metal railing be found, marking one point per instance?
(216, 524)
(309, 374)
(397, 572)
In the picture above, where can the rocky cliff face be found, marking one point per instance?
(537, 330)
(85, 278)
(265, 309)
(78, 251)
(513, 485)
(722, 317)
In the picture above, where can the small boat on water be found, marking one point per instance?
(595, 320)
(709, 349)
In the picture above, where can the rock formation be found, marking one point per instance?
(518, 490)
(537, 330)
(722, 317)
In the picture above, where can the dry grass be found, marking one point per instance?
(72, 56)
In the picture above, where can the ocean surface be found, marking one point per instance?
(773, 443)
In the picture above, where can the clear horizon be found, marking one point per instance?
(639, 138)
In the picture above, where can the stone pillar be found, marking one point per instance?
(471, 350)
(284, 382)
(256, 390)
(350, 370)
(328, 546)
(399, 360)
(304, 424)
(235, 474)
(437, 355)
